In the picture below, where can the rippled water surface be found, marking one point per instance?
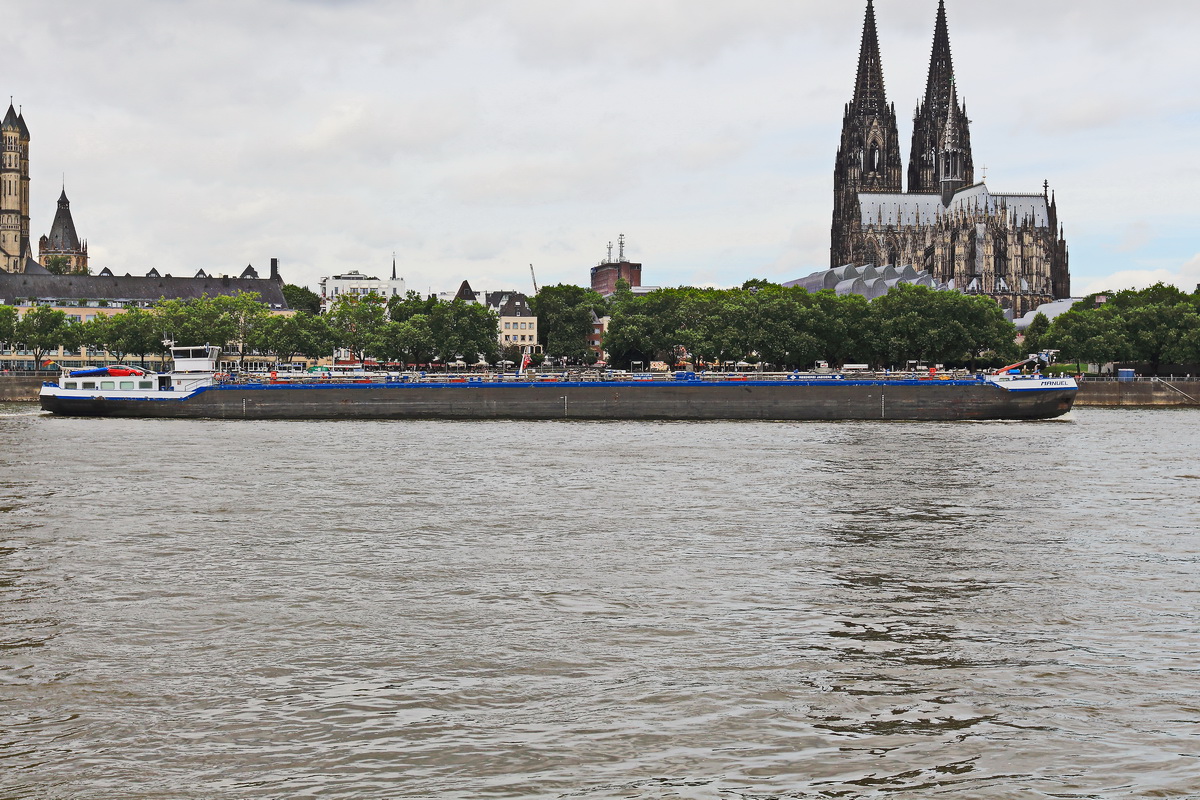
(600, 610)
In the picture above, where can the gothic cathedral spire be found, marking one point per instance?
(869, 156)
(930, 121)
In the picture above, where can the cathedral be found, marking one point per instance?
(1006, 246)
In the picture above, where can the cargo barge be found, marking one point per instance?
(194, 389)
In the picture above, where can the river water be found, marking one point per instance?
(200, 609)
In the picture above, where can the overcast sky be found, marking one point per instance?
(474, 137)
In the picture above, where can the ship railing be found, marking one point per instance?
(586, 376)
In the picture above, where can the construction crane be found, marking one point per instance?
(533, 275)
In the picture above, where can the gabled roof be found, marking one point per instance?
(130, 289)
(465, 292)
(911, 209)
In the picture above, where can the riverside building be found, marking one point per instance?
(356, 284)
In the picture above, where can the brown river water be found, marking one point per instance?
(203, 609)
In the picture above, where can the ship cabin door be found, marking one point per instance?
(164, 383)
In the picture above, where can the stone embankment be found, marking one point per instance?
(18, 389)
(1144, 392)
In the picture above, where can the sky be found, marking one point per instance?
(473, 138)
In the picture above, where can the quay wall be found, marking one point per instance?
(19, 389)
(1141, 393)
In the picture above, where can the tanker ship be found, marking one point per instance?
(196, 389)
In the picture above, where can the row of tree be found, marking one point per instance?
(760, 322)
(1155, 326)
(408, 329)
(789, 328)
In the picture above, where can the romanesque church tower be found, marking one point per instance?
(868, 160)
(15, 251)
(63, 243)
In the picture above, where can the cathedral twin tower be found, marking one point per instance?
(1008, 246)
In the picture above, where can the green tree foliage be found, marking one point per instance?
(1035, 334)
(1084, 336)
(203, 321)
(402, 308)
(564, 314)
(408, 342)
(299, 334)
(58, 265)
(43, 330)
(8, 323)
(247, 315)
(1154, 326)
(355, 321)
(464, 330)
(916, 323)
(301, 298)
(137, 331)
(791, 328)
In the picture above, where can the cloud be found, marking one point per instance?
(1185, 276)
(475, 136)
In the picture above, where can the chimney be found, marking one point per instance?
(275, 270)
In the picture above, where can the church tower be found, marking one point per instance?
(14, 192)
(63, 245)
(868, 158)
(933, 117)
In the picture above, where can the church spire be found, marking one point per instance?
(941, 66)
(939, 106)
(869, 94)
(868, 160)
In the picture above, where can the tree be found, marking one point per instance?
(919, 323)
(1159, 332)
(100, 333)
(59, 265)
(196, 322)
(42, 329)
(408, 342)
(1035, 334)
(402, 308)
(565, 319)
(8, 323)
(1082, 335)
(246, 314)
(466, 330)
(301, 298)
(136, 331)
(355, 321)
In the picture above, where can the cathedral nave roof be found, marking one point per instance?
(911, 209)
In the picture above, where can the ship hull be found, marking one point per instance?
(659, 400)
